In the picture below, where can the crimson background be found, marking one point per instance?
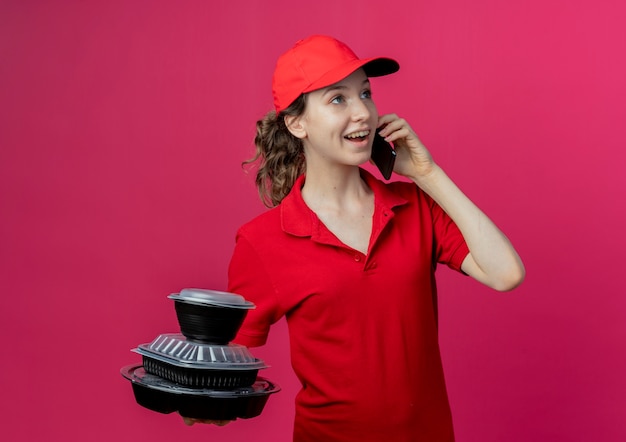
(122, 129)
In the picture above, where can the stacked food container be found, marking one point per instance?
(200, 373)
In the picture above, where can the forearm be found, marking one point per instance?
(492, 259)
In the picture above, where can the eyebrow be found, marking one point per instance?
(341, 87)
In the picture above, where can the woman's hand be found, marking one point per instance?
(413, 159)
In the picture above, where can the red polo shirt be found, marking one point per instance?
(362, 328)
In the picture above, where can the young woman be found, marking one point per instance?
(350, 260)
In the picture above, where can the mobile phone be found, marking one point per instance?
(383, 155)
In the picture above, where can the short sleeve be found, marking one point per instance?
(248, 278)
(450, 246)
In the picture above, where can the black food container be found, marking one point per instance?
(160, 395)
(192, 364)
(210, 316)
(200, 373)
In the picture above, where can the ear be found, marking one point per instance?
(295, 126)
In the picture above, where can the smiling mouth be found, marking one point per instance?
(358, 136)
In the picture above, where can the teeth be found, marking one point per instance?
(359, 134)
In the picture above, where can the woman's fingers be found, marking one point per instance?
(191, 421)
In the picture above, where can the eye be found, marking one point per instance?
(338, 99)
(366, 94)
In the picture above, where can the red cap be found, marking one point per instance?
(319, 61)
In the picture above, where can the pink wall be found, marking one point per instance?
(122, 127)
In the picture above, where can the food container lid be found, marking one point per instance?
(212, 297)
(137, 374)
(177, 350)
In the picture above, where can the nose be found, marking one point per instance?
(360, 110)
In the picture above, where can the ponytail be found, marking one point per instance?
(279, 154)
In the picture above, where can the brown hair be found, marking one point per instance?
(279, 154)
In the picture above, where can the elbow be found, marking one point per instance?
(512, 279)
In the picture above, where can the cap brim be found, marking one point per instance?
(373, 67)
(379, 67)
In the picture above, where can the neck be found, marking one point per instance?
(334, 189)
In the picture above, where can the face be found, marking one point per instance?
(338, 124)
